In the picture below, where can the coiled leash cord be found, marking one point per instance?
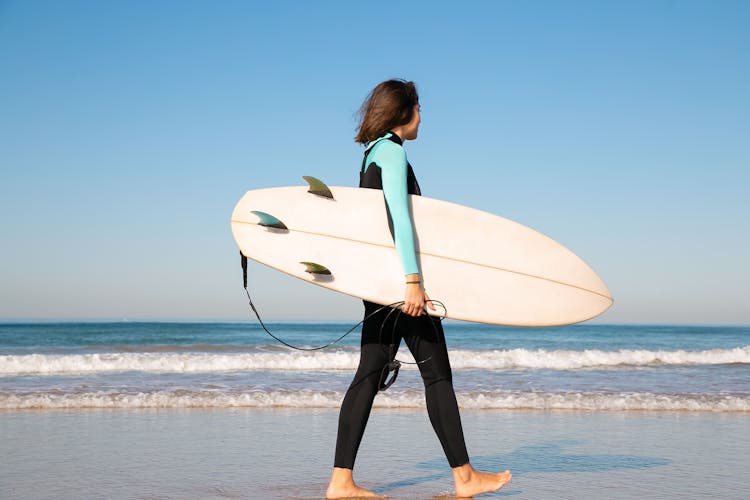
(393, 364)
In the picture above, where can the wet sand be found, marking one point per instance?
(287, 453)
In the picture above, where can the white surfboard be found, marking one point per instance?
(483, 267)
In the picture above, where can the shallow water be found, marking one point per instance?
(172, 365)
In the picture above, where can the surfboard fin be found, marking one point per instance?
(268, 220)
(316, 269)
(318, 187)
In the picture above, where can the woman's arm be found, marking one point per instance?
(391, 158)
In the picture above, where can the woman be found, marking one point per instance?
(389, 116)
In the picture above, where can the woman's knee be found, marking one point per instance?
(371, 364)
(433, 370)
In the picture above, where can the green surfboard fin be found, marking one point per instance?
(268, 220)
(314, 268)
(318, 187)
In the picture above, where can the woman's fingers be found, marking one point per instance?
(429, 302)
(414, 300)
(417, 309)
(413, 308)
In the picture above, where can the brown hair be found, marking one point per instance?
(389, 105)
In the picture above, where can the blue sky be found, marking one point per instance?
(128, 131)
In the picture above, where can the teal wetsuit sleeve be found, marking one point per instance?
(391, 158)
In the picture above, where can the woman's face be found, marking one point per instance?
(411, 129)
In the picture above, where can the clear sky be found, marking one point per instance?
(128, 131)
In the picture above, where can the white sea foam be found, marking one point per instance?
(41, 364)
(390, 399)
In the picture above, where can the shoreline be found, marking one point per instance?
(406, 410)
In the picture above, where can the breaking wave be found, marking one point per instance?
(585, 401)
(197, 362)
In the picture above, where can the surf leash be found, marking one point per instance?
(393, 364)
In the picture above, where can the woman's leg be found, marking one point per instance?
(355, 409)
(426, 341)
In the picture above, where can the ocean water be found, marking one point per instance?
(237, 365)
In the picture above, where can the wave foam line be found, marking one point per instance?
(404, 399)
(347, 360)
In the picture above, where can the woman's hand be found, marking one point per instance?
(415, 297)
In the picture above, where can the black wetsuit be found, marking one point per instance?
(426, 341)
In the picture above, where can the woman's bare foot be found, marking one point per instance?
(342, 486)
(470, 482)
